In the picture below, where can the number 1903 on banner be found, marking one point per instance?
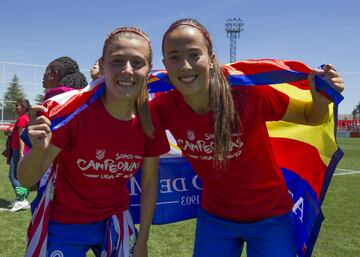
(179, 190)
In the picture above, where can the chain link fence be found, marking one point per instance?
(30, 78)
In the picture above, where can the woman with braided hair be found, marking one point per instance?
(55, 72)
(96, 153)
(61, 75)
(75, 80)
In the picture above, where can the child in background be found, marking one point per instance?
(19, 149)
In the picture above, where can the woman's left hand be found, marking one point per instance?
(329, 74)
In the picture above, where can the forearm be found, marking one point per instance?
(31, 168)
(147, 203)
(307, 113)
(21, 147)
(149, 188)
(21, 143)
(317, 112)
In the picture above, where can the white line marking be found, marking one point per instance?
(167, 202)
(347, 173)
(4, 209)
(161, 203)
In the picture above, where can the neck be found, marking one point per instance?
(199, 103)
(119, 109)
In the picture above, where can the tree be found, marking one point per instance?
(356, 111)
(39, 99)
(14, 92)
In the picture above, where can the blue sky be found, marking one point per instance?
(311, 31)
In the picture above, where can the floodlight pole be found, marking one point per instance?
(233, 27)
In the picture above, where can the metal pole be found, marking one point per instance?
(233, 27)
(35, 77)
(2, 94)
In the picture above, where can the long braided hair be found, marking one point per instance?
(64, 66)
(75, 80)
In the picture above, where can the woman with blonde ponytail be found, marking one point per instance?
(95, 155)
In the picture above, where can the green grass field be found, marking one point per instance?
(339, 236)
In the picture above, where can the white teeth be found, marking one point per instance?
(125, 83)
(187, 78)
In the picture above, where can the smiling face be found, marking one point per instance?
(187, 60)
(125, 65)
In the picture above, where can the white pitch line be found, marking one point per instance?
(347, 172)
(4, 209)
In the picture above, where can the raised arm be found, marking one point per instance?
(149, 187)
(33, 166)
(315, 112)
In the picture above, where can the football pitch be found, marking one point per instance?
(339, 235)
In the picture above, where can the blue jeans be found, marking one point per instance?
(272, 237)
(13, 169)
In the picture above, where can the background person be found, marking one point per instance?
(19, 149)
(95, 72)
(57, 70)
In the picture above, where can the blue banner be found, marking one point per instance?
(179, 190)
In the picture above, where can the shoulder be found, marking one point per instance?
(23, 120)
(165, 95)
(94, 108)
(24, 117)
(253, 92)
(83, 119)
(56, 91)
(164, 99)
(245, 93)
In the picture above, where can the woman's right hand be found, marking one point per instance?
(39, 128)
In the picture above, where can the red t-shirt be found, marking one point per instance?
(21, 122)
(99, 154)
(252, 188)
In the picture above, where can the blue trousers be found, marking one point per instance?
(272, 237)
(13, 169)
